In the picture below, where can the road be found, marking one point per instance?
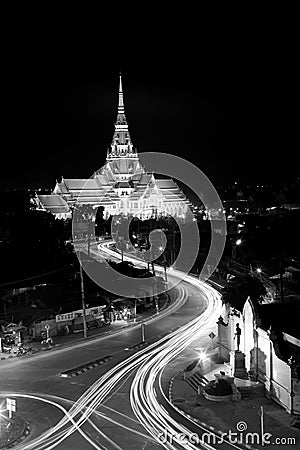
(117, 405)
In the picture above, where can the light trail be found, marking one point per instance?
(149, 364)
(90, 400)
(55, 402)
(143, 397)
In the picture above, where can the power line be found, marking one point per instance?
(10, 283)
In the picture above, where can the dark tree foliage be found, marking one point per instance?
(239, 288)
(36, 244)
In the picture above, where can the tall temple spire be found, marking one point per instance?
(121, 145)
(121, 100)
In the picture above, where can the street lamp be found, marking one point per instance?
(202, 356)
(259, 271)
(85, 212)
(234, 245)
(165, 263)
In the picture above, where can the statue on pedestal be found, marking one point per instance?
(237, 335)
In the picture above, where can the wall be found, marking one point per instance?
(296, 398)
(261, 360)
(39, 328)
(248, 334)
(281, 381)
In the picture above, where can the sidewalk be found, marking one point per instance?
(73, 338)
(12, 431)
(225, 416)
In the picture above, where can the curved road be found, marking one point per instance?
(94, 410)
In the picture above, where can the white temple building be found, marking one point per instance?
(122, 186)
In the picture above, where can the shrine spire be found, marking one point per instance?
(121, 145)
(121, 100)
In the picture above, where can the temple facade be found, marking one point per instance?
(122, 186)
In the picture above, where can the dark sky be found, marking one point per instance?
(222, 98)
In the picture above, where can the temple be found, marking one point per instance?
(122, 186)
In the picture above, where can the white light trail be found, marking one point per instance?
(149, 363)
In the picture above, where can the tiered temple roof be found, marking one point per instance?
(120, 186)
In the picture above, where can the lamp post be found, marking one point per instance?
(88, 215)
(83, 302)
(119, 236)
(281, 281)
(259, 271)
(155, 297)
(165, 263)
(235, 244)
(85, 213)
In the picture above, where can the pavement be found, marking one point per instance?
(214, 416)
(12, 430)
(73, 338)
(243, 415)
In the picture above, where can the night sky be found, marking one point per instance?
(224, 99)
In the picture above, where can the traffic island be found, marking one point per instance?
(85, 367)
(12, 431)
(137, 346)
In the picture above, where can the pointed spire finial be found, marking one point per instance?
(121, 102)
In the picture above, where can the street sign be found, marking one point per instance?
(212, 335)
(11, 406)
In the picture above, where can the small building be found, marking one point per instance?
(73, 320)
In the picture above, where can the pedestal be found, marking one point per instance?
(237, 362)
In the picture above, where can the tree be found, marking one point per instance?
(239, 288)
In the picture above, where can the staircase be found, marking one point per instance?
(196, 380)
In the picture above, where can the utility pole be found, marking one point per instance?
(155, 297)
(281, 282)
(89, 236)
(165, 269)
(83, 302)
